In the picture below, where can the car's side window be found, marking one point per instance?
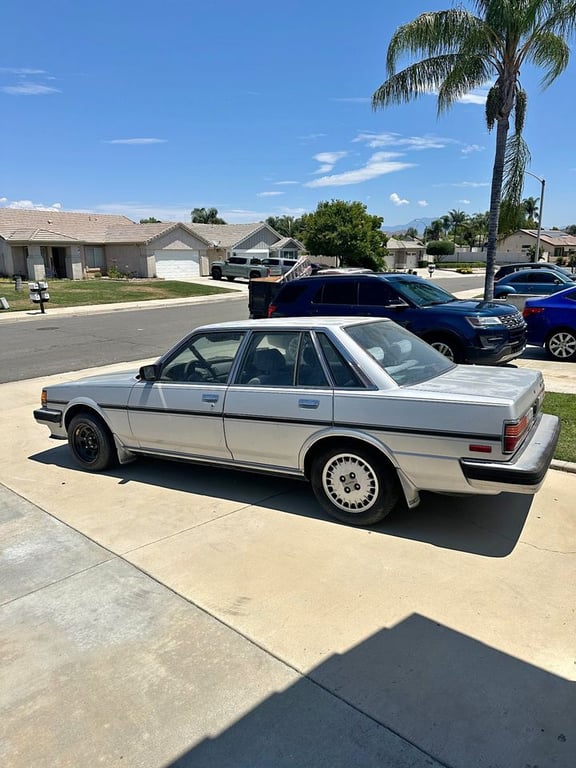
(375, 293)
(309, 371)
(270, 359)
(338, 292)
(206, 358)
(342, 372)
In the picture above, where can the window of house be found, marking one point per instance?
(94, 255)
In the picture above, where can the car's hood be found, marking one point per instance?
(474, 307)
(471, 382)
(124, 378)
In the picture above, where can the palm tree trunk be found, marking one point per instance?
(495, 198)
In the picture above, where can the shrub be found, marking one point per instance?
(440, 248)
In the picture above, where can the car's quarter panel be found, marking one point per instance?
(178, 417)
(269, 425)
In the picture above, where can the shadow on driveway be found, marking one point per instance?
(482, 525)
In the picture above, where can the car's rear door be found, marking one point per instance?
(271, 411)
(336, 297)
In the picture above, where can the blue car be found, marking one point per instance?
(538, 282)
(552, 323)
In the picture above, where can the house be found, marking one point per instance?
(38, 244)
(404, 254)
(554, 244)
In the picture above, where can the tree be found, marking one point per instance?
(206, 216)
(287, 226)
(150, 220)
(571, 229)
(456, 219)
(440, 248)
(434, 230)
(346, 231)
(531, 210)
(462, 51)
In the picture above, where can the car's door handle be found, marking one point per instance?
(210, 398)
(305, 403)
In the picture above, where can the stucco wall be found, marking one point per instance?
(128, 258)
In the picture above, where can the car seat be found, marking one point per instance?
(270, 368)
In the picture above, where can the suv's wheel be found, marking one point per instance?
(254, 274)
(91, 442)
(561, 344)
(216, 273)
(354, 484)
(447, 346)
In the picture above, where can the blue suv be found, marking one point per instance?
(480, 332)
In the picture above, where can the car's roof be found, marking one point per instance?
(363, 276)
(527, 271)
(291, 323)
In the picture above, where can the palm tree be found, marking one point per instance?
(462, 51)
(531, 209)
(206, 216)
(456, 218)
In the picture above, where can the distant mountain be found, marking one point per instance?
(418, 224)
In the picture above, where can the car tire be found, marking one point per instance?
(231, 278)
(216, 273)
(253, 275)
(447, 346)
(354, 484)
(561, 344)
(91, 442)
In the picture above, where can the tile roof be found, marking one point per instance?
(226, 235)
(75, 226)
(553, 237)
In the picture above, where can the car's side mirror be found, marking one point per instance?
(149, 372)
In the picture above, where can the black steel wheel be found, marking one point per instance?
(216, 273)
(354, 484)
(91, 442)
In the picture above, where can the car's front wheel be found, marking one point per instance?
(561, 344)
(91, 442)
(354, 484)
(216, 273)
(447, 346)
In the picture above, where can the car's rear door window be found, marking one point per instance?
(340, 369)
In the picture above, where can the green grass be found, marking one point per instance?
(564, 406)
(76, 293)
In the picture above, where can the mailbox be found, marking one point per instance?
(39, 293)
(431, 269)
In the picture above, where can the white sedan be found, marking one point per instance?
(366, 411)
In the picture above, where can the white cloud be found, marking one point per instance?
(388, 139)
(136, 141)
(465, 184)
(282, 183)
(328, 160)
(474, 97)
(397, 200)
(27, 205)
(469, 148)
(423, 203)
(378, 165)
(311, 136)
(464, 202)
(28, 89)
(268, 194)
(21, 71)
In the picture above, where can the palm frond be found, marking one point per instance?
(418, 79)
(549, 52)
(516, 159)
(468, 72)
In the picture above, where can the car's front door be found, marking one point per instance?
(279, 398)
(181, 412)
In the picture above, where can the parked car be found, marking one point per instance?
(278, 266)
(365, 410)
(508, 269)
(247, 267)
(464, 331)
(537, 282)
(552, 323)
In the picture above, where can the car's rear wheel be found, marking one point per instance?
(448, 347)
(254, 275)
(231, 278)
(561, 344)
(354, 484)
(216, 273)
(91, 442)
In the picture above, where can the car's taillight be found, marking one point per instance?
(514, 432)
(43, 398)
(267, 271)
(527, 311)
(271, 310)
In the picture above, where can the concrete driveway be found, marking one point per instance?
(163, 614)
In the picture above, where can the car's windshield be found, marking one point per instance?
(405, 358)
(422, 293)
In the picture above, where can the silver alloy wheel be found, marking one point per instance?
(444, 349)
(350, 483)
(562, 345)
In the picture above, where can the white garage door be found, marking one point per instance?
(177, 265)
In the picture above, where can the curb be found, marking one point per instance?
(563, 466)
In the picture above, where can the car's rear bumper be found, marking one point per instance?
(525, 473)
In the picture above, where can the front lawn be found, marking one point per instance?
(564, 406)
(75, 293)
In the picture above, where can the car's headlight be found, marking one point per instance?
(483, 322)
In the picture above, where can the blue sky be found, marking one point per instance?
(257, 108)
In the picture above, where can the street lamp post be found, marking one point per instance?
(541, 206)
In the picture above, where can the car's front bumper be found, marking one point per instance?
(525, 473)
